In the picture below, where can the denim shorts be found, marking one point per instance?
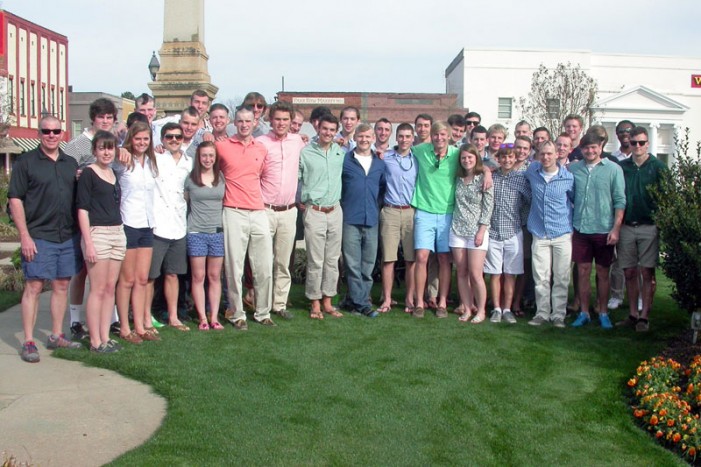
(205, 244)
(54, 260)
(432, 231)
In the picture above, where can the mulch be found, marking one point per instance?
(680, 348)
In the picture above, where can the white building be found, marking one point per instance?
(662, 94)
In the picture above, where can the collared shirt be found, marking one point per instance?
(278, 183)
(400, 174)
(640, 205)
(349, 146)
(362, 193)
(170, 207)
(320, 174)
(138, 185)
(80, 148)
(242, 166)
(473, 206)
(550, 215)
(511, 193)
(597, 194)
(620, 155)
(435, 181)
(47, 190)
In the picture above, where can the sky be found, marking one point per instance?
(359, 46)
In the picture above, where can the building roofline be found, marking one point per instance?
(11, 15)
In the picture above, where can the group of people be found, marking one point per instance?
(124, 208)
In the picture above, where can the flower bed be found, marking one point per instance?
(665, 401)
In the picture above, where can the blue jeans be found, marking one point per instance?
(359, 253)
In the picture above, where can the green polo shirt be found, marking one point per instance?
(597, 195)
(320, 174)
(435, 186)
(640, 205)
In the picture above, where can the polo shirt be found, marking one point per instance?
(400, 175)
(597, 194)
(320, 174)
(242, 166)
(361, 193)
(640, 204)
(278, 182)
(435, 185)
(47, 190)
(550, 215)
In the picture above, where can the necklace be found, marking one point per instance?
(411, 163)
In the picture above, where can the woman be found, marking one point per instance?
(137, 181)
(469, 238)
(103, 240)
(205, 236)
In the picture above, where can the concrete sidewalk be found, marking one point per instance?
(57, 412)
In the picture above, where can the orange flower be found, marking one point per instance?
(632, 382)
(663, 412)
(654, 420)
(677, 437)
(638, 413)
(690, 389)
(692, 451)
(670, 422)
(659, 434)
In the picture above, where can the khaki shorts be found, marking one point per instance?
(397, 225)
(109, 241)
(638, 245)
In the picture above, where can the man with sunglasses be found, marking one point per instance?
(257, 104)
(623, 130)
(42, 206)
(638, 247)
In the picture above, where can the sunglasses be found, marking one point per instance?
(624, 131)
(257, 106)
(170, 136)
(472, 122)
(49, 131)
(507, 145)
(638, 143)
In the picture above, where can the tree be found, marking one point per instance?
(556, 93)
(128, 95)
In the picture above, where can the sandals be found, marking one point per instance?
(216, 326)
(180, 327)
(151, 330)
(316, 314)
(204, 326)
(478, 319)
(466, 316)
(409, 309)
(384, 309)
(334, 312)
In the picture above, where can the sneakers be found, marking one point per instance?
(418, 312)
(78, 331)
(240, 325)
(114, 344)
(582, 319)
(441, 312)
(642, 325)
(537, 321)
(495, 316)
(629, 322)
(614, 303)
(60, 342)
(104, 348)
(115, 328)
(266, 322)
(29, 352)
(508, 316)
(284, 314)
(559, 323)
(605, 321)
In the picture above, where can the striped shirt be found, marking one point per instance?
(511, 193)
(551, 204)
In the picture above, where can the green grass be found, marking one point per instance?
(396, 391)
(9, 299)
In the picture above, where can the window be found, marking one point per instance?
(76, 127)
(43, 98)
(11, 85)
(504, 110)
(60, 105)
(53, 101)
(553, 108)
(32, 101)
(21, 97)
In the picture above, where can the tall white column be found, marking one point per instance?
(654, 126)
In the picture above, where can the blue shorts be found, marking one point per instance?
(54, 260)
(138, 238)
(432, 231)
(205, 244)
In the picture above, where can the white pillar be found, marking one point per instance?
(654, 126)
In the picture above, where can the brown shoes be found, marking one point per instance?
(132, 338)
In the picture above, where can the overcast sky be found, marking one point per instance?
(363, 45)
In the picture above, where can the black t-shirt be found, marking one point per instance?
(47, 191)
(99, 198)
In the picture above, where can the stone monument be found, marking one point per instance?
(183, 64)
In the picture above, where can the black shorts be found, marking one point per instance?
(138, 238)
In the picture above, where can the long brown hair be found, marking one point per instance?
(134, 129)
(479, 167)
(196, 174)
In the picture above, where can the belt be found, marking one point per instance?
(324, 209)
(241, 209)
(396, 206)
(280, 208)
(638, 224)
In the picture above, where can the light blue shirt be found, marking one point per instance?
(400, 174)
(551, 202)
(597, 194)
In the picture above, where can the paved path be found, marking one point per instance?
(59, 413)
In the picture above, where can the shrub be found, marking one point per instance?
(4, 187)
(299, 269)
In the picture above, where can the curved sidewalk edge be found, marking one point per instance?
(58, 412)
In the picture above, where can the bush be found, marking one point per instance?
(4, 187)
(299, 269)
(678, 218)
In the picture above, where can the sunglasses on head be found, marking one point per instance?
(48, 131)
(638, 143)
(174, 136)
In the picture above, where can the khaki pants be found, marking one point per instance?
(551, 258)
(322, 235)
(248, 231)
(283, 228)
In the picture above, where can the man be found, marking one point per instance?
(573, 126)
(523, 128)
(41, 195)
(550, 223)
(496, 134)
(472, 121)
(199, 101)
(350, 118)
(314, 117)
(383, 132)
(320, 170)
(522, 150)
(189, 123)
(103, 114)
(599, 202)
(246, 225)
(434, 200)
(219, 119)
(422, 127)
(397, 217)
(278, 185)
(256, 102)
(363, 184)
(478, 137)
(146, 105)
(170, 224)
(540, 135)
(457, 129)
(638, 247)
(623, 129)
(563, 146)
(297, 122)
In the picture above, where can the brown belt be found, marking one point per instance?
(324, 209)
(394, 206)
(280, 208)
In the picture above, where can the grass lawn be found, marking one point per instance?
(9, 299)
(396, 391)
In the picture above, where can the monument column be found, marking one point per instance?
(183, 57)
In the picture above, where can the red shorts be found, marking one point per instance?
(592, 247)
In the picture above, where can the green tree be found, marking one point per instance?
(128, 95)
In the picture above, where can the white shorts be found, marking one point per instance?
(458, 241)
(505, 256)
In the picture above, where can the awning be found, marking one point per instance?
(7, 146)
(29, 144)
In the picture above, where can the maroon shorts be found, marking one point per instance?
(592, 247)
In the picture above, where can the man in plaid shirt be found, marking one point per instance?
(505, 254)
